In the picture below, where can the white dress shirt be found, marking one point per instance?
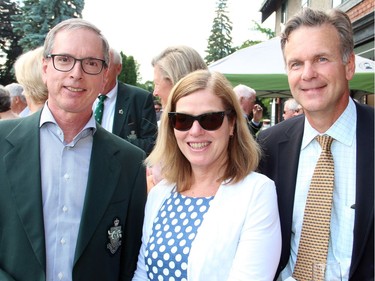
(109, 108)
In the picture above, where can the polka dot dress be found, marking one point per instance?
(174, 229)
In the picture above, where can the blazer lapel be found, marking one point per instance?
(102, 181)
(25, 183)
(121, 109)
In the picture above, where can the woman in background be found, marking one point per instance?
(28, 70)
(170, 66)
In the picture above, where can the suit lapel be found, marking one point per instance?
(102, 182)
(25, 183)
(289, 146)
(121, 109)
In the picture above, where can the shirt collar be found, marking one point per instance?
(112, 94)
(343, 130)
(47, 117)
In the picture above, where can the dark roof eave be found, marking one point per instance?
(268, 7)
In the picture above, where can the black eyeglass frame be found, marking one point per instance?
(52, 56)
(199, 118)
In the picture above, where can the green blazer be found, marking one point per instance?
(135, 119)
(116, 188)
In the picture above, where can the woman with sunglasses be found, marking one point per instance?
(212, 217)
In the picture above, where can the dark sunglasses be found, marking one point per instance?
(209, 121)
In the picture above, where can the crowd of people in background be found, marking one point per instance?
(6, 111)
(102, 180)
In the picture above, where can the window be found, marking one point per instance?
(283, 12)
(336, 3)
(305, 3)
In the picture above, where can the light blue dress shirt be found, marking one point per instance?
(64, 177)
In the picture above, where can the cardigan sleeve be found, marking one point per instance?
(155, 199)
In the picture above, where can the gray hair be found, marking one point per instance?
(16, 90)
(74, 24)
(4, 99)
(292, 104)
(116, 56)
(312, 18)
(244, 91)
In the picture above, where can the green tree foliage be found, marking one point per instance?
(257, 27)
(130, 68)
(267, 31)
(220, 40)
(39, 16)
(122, 75)
(129, 73)
(149, 86)
(9, 48)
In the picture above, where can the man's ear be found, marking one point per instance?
(44, 70)
(350, 67)
(118, 69)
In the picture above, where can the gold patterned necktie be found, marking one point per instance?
(99, 109)
(313, 245)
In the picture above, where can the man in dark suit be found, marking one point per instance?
(72, 194)
(319, 57)
(128, 110)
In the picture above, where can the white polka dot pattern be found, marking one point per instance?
(173, 232)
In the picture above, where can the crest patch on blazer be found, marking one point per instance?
(114, 236)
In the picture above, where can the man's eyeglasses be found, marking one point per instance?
(66, 63)
(209, 121)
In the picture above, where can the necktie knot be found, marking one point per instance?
(99, 108)
(325, 142)
(102, 98)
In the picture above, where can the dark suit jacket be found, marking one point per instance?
(281, 145)
(254, 129)
(116, 188)
(135, 117)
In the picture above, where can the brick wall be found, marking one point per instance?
(362, 9)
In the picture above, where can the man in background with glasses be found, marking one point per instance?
(72, 194)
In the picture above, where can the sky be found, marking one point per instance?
(143, 28)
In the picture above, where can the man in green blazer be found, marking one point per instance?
(128, 111)
(72, 194)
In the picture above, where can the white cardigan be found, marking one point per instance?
(239, 238)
